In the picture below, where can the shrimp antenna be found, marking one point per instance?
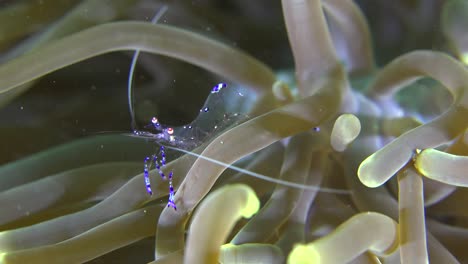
(264, 177)
(155, 19)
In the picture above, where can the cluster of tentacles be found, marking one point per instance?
(311, 169)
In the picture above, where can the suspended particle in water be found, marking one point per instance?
(205, 109)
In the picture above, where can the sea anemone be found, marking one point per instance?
(308, 163)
